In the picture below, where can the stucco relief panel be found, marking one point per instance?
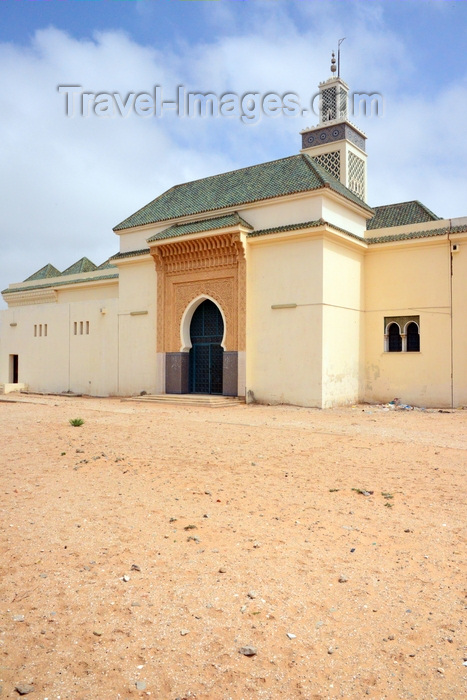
(222, 291)
(216, 270)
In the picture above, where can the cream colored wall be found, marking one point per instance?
(409, 279)
(62, 361)
(138, 369)
(459, 301)
(283, 356)
(93, 357)
(43, 362)
(136, 239)
(340, 215)
(67, 295)
(281, 213)
(408, 228)
(343, 323)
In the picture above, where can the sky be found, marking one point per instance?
(66, 181)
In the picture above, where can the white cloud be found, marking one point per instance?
(66, 182)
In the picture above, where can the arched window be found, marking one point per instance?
(413, 338)
(395, 340)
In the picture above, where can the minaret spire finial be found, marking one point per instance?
(333, 63)
(339, 57)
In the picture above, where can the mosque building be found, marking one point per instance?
(275, 283)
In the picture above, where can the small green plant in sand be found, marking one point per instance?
(76, 422)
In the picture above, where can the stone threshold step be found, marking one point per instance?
(190, 400)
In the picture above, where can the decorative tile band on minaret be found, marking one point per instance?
(336, 144)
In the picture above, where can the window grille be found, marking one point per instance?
(356, 170)
(329, 104)
(330, 162)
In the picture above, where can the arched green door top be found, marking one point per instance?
(206, 354)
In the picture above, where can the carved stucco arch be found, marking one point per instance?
(187, 316)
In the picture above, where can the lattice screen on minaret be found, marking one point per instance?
(329, 104)
(330, 162)
(356, 175)
(342, 104)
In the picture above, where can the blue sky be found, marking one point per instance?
(67, 181)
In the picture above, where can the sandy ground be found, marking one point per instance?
(234, 526)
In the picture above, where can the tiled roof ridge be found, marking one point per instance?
(282, 177)
(129, 254)
(44, 273)
(235, 170)
(408, 201)
(428, 233)
(58, 284)
(201, 179)
(306, 224)
(81, 265)
(287, 227)
(401, 214)
(201, 226)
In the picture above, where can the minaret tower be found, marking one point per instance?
(336, 144)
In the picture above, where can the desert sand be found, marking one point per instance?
(143, 550)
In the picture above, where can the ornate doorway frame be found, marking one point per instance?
(190, 269)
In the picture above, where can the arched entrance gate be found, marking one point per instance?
(206, 353)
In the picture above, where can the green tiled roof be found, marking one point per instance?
(287, 227)
(302, 226)
(44, 273)
(52, 285)
(416, 234)
(400, 215)
(277, 178)
(130, 254)
(83, 265)
(201, 226)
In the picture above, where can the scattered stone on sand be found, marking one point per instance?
(222, 570)
(135, 567)
(140, 685)
(125, 578)
(252, 594)
(343, 578)
(184, 632)
(18, 618)
(248, 651)
(24, 688)
(291, 636)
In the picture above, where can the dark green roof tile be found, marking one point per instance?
(416, 234)
(287, 227)
(278, 178)
(130, 254)
(62, 283)
(303, 226)
(400, 215)
(83, 265)
(44, 273)
(201, 226)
